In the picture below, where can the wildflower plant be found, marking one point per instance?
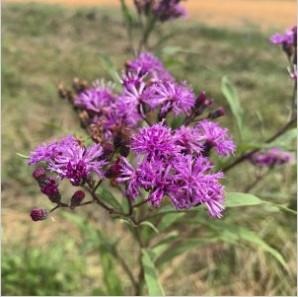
(159, 145)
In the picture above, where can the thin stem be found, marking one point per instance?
(294, 101)
(97, 185)
(258, 179)
(146, 34)
(141, 271)
(141, 203)
(126, 269)
(272, 138)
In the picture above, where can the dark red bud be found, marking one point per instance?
(217, 113)
(38, 214)
(39, 173)
(77, 198)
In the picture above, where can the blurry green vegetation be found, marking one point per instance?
(44, 45)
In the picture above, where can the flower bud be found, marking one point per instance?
(38, 214)
(114, 170)
(217, 113)
(50, 188)
(76, 199)
(39, 174)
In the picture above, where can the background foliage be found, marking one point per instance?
(43, 45)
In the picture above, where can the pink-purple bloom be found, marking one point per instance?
(194, 184)
(271, 158)
(170, 96)
(168, 9)
(95, 99)
(147, 63)
(288, 38)
(69, 159)
(216, 137)
(156, 141)
(189, 140)
(163, 10)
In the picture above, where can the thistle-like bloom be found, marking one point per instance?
(147, 63)
(128, 174)
(95, 99)
(154, 142)
(216, 137)
(170, 96)
(168, 9)
(189, 140)
(271, 158)
(194, 184)
(69, 159)
(288, 38)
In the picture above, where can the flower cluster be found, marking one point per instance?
(173, 163)
(163, 10)
(271, 158)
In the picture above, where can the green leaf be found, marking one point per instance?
(109, 66)
(22, 156)
(111, 279)
(181, 247)
(109, 198)
(286, 140)
(231, 95)
(169, 219)
(126, 13)
(235, 199)
(151, 276)
(234, 234)
(150, 225)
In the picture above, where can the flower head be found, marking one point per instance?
(170, 96)
(194, 184)
(271, 157)
(147, 63)
(154, 142)
(288, 38)
(69, 159)
(95, 99)
(189, 140)
(217, 137)
(169, 9)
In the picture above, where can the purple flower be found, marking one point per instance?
(194, 185)
(288, 38)
(69, 159)
(155, 142)
(170, 96)
(95, 99)
(168, 9)
(189, 140)
(129, 175)
(271, 157)
(38, 214)
(147, 63)
(217, 137)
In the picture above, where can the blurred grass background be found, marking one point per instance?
(44, 45)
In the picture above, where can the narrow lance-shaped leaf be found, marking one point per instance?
(151, 275)
(231, 95)
(110, 68)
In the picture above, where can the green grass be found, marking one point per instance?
(44, 45)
